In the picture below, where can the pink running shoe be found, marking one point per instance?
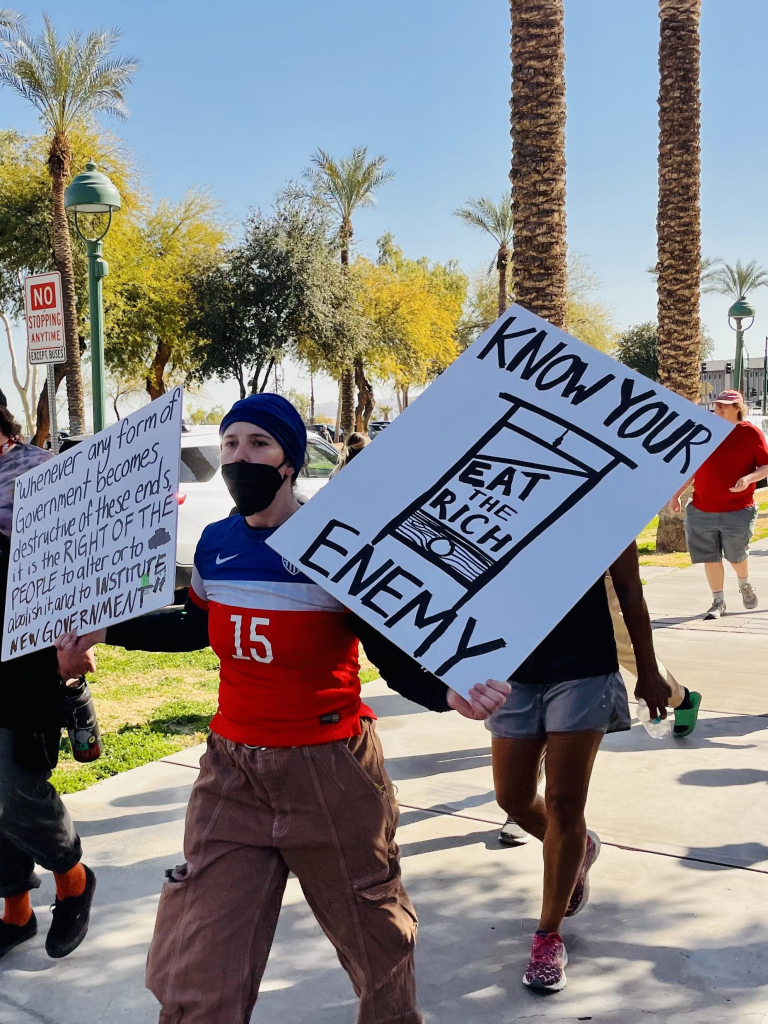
(546, 968)
(580, 893)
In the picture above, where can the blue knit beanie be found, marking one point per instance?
(278, 417)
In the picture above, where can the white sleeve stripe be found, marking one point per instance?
(198, 584)
(292, 597)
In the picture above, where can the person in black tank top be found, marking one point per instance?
(565, 696)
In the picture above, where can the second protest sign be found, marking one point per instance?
(94, 531)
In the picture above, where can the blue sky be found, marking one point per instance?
(237, 95)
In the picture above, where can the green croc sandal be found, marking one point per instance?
(685, 721)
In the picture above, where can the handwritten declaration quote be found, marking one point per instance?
(485, 511)
(94, 531)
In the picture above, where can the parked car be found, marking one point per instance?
(203, 495)
(376, 426)
(322, 430)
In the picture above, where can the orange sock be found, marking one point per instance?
(18, 909)
(71, 883)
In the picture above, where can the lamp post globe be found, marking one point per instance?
(94, 192)
(740, 311)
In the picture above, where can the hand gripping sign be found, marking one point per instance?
(485, 511)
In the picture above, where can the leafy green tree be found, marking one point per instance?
(301, 401)
(735, 281)
(26, 206)
(68, 82)
(201, 417)
(638, 348)
(341, 187)
(587, 317)
(282, 291)
(414, 308)
(496, 220)
(147, 303)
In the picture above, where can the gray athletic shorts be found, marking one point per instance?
(534, 709)
(712, 535)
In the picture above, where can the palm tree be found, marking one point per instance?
(343, 186)
(678, 221)
(10, 21)
(68, 82)
(539, 259)
(496, 219)
(735, 282)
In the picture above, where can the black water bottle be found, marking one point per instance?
(80, 720)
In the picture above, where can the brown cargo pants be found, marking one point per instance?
(325, 812)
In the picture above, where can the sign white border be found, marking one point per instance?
(597, 450)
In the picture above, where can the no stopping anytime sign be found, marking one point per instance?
(45, 320)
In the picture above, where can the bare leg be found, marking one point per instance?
(740, 568)
(715, 575)
(570, 756)
(515, 777)
(558, 819)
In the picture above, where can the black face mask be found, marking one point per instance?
(252, 485)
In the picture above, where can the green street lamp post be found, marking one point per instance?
(740, 311)
(93, 192)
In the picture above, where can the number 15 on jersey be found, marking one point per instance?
(263, 652)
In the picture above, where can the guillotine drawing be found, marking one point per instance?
(518, 479)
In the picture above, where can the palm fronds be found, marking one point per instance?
(345, 184)
(66, 80)
(735, 281)
(495, 218)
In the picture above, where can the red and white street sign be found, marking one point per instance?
(45, 318)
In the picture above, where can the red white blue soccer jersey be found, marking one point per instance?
(289, 659)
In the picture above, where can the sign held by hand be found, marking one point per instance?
(488, 508)
(94, 531)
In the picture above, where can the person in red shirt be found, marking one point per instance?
(720, 519)
(293, 778)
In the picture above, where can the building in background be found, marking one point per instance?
(717, 376)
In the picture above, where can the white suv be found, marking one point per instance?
(203, 495)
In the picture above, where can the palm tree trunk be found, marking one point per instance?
(347, 381)
(347, 418)
(59, 158)
(502, 262)
(678, 222)
(539, 254)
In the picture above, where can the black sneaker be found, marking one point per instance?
(70, 920)
(14, 934)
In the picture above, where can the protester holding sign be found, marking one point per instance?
(293, 778)
(35, 826)
(565, 696)
(720, 520)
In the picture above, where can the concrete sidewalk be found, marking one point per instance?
(675, 929)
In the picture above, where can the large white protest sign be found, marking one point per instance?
(94, 531)
(470, 527)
